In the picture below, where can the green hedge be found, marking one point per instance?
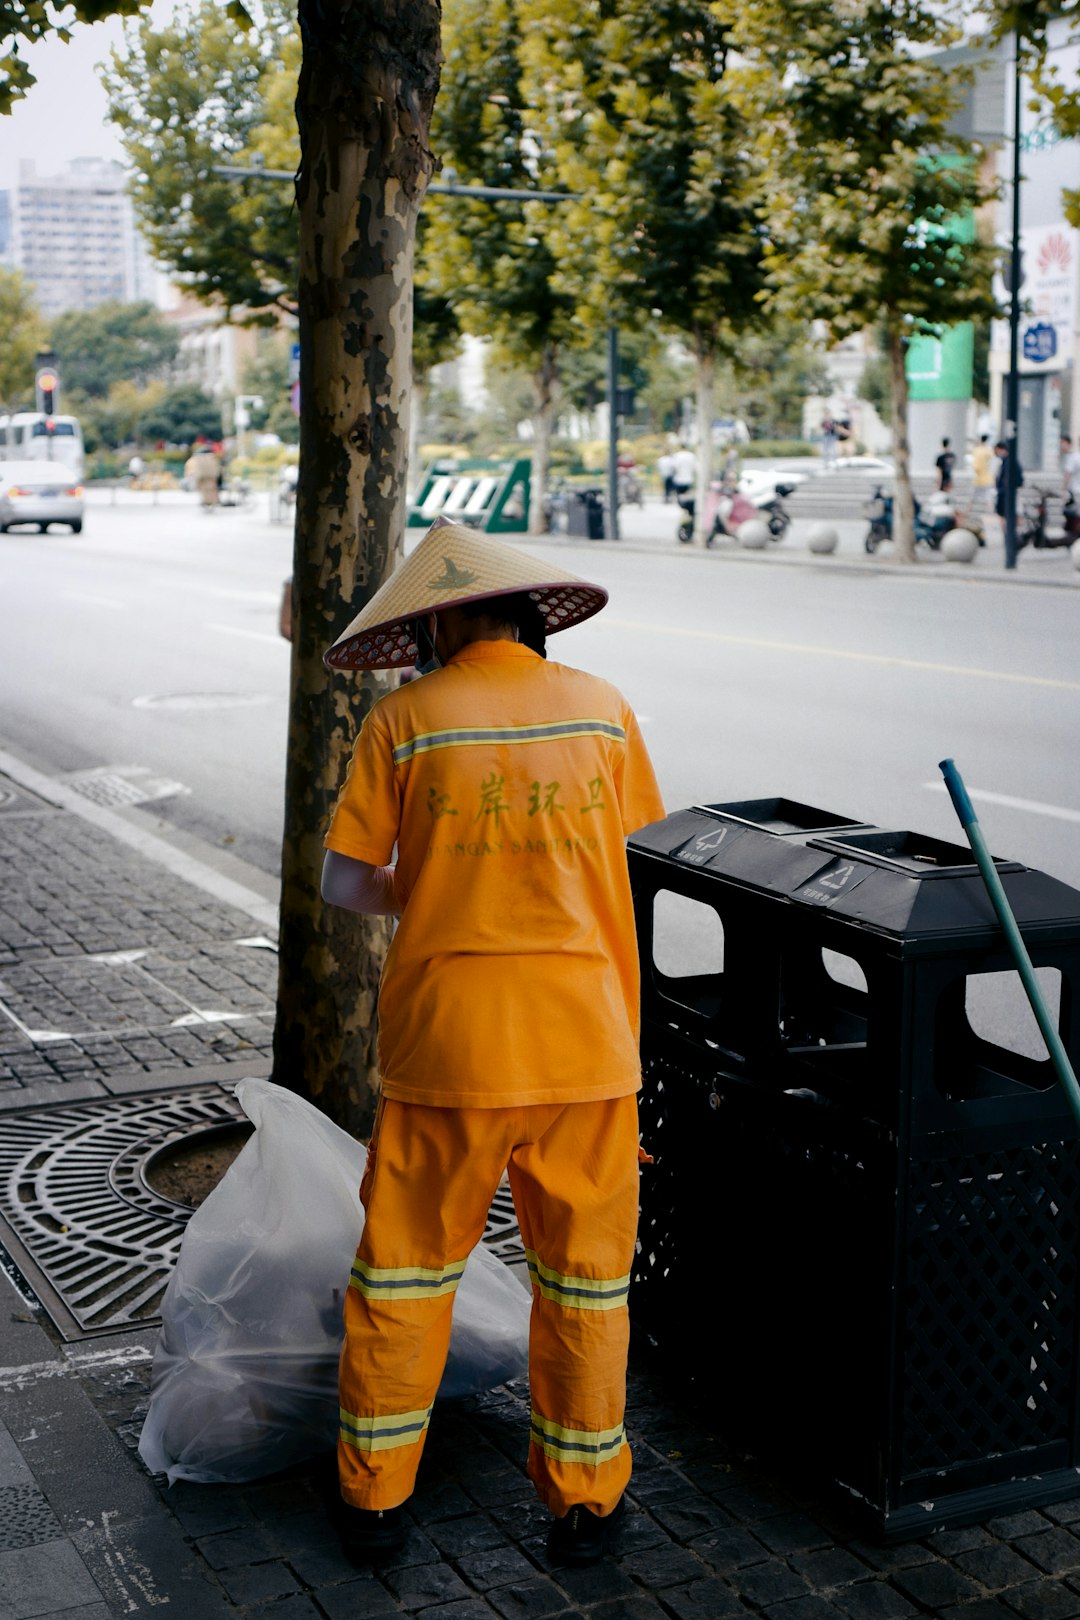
(758, 448)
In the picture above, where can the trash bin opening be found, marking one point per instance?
(781, 815)
(843, 969)
(824, 1019)
(987, 1042)
(687, 952)
(908, 851)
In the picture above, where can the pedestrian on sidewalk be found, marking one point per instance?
(828, 445)
(203, 469)
(508, 1018)
(945, 464)
(1070, 470)
(982, 473)
(1001, 451)
(683, 472)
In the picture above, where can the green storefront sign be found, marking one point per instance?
(941, 367)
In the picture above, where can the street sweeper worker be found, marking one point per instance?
(508, 1017)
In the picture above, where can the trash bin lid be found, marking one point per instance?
(897, 882)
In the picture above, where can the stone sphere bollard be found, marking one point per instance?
(822, 539)
(959, 545)
(754, 534)
(1074, 553)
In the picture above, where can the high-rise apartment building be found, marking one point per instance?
(73, 237)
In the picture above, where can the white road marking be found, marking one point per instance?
(1034, 806)
(802, 648)
(72, 1366)
(250, 635)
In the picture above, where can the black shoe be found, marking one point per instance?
(582, 1537)
(368, 1534)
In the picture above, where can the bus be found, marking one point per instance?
(33, 436)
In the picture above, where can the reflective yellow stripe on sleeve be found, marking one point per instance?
(577, 1293)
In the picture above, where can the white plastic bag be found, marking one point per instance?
(245, 1370)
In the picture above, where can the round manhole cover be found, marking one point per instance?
(202, 700)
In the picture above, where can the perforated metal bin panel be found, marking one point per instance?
(877, 1204)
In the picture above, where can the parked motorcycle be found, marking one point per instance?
(1047, 521)
(932, 522)
(727, 509)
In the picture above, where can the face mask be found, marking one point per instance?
(427, 658)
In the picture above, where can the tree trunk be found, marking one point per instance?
(706, 369)
(904, 500)
(546, 390)
(367, 85)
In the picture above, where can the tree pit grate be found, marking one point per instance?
(83, 1222)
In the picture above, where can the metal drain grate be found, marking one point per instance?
(121, 785)
(82, 1223)
(95, 1243)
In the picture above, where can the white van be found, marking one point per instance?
(31, 436)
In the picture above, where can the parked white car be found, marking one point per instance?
(39, 493)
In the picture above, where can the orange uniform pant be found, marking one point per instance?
(430, 1178)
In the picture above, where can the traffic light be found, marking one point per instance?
(47, 387)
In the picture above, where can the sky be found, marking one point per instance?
(64, 114)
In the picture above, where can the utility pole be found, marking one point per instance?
(1011, 480)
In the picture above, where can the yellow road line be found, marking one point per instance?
(840, 652)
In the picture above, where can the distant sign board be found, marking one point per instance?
(1040, 342)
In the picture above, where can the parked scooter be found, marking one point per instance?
(727, 509)
(932, 521)
(1046, 521)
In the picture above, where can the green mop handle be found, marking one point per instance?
(1054, 1045)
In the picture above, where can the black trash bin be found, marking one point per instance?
(862, 1227)
(585, 515)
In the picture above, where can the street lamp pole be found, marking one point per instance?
(1011, 479)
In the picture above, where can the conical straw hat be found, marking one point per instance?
(454, 564)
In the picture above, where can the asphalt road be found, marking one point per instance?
(150, 641)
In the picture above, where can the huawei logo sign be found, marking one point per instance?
(1055, 253)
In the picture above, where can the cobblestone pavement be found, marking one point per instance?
(120, 974)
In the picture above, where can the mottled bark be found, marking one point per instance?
(904, 499)
(706, 370)
(546, 392)
(367, 85)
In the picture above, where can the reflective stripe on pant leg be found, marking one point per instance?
(576, 1189)
(426, 1199)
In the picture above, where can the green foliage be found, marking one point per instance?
(22, 334)
(875, 385)
(769, 376)
(266, 373)
(25, 22)
(493, 261)
(636, 110)
(866, 195)
(190, 96)
(111, 343)
(184, 413)
(156, 414)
